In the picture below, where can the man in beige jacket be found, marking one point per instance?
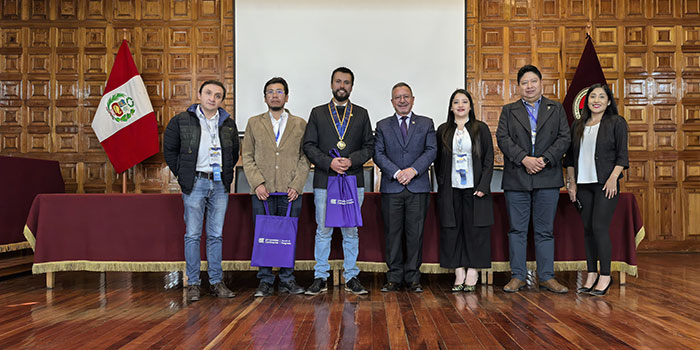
(273, 161)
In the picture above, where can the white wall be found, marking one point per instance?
(382, 42)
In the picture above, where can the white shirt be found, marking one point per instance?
(207, 126)
(586, 156)
(278, 126)
(462, 149)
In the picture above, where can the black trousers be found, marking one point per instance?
(596, 213)
(404, 215)
(465, 245)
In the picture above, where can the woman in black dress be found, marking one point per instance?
(594, 164)
(464, 167)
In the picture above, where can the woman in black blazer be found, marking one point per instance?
(464, 167)
(594, 164)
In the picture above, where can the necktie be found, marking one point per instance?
(404, 128)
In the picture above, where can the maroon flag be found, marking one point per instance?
(587, 73)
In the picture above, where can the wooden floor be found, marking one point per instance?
(658, 310)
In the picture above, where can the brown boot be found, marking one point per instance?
(192, 293)
(553, 286)
(514, 285)
(220, 290)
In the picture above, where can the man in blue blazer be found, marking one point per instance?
(404, 148)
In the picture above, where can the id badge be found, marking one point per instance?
(216, 170)
(462, 163)
(215, 162)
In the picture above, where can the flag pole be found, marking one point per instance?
(125, 171)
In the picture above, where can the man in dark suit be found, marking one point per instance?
(404, 148)
(345, 126)
(533, 134)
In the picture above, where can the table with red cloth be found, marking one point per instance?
(21, 179)
(145, 232)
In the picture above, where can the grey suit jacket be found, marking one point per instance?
(513, 136)
(393, 153)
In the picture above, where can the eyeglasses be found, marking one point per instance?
(272, 92)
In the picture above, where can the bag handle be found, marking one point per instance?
(289, 206)
(336, 154)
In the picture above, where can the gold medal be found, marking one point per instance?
(341, 145)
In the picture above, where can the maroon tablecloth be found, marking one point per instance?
(21, 179)
(144, 232)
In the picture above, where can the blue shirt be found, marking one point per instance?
(532, 112)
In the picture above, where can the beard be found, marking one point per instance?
(340, 98)
(276, 108)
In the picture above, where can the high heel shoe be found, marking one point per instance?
(598, 292)
(584, 290)
(470, 288)
(457, 288)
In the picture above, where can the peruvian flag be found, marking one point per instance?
(124, 122)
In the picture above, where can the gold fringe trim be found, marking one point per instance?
(300, 265)
(29, 236)
(14, 246)
(639, 237)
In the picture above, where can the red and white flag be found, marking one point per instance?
(124, 122)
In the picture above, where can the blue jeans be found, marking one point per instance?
(543, 205)
(212, 197)
(278, 206)
(322, 249)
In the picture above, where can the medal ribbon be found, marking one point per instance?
(341, 125)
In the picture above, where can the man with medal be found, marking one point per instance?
(200, 147)
(533, 134)
(274, 162)
(404, 149)
(342, 125)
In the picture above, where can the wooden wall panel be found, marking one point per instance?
(55, 57)
(650, 53)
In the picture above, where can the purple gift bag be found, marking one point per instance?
(275, 238)
(342, 206)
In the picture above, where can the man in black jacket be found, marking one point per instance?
(200, 147)
(343, 125)
(533, 134)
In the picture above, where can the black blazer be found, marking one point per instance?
(483, 171)
(514, 140)
(320, 137)
(610, 147)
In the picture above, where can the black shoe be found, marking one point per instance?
(264, 290)
(355, 287)
(584, 290)
(391, 287)
(316, 288)
(598, 292)
(415, 287)
(220, 290)
(193, 293)
(291, 287)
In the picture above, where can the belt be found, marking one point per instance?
(203, 175)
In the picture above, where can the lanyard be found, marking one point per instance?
(533, 118)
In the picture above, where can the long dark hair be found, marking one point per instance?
(586, 114)
(472, 126)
